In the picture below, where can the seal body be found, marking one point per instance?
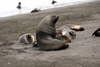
(53, 2)
(35, 10)
(71, 34)
(26, 38)
(63, 38)
(46, 33)
(97, 32)
(19, 5)
(73, 27)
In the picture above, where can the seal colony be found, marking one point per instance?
(46, 33)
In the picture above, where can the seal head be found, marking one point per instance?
(46, 33)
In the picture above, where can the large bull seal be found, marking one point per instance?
(46, 33)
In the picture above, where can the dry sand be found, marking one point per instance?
(84, 51)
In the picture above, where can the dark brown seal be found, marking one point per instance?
(53, 2)
(35, 10)
(97, 32)
(46, 33)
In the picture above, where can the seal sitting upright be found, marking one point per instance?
(46, 33)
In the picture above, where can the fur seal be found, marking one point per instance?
(26, 38)
(46, 33)
(97, 32)
(63, 38)
(53, 2)
(35, 10)
(73, 27)
(19, 5)
(71, 34)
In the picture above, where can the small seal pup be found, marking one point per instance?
(26, 39)
(71, 34)
(35, 10)
(63, 38)
(46, 33)
(97, 32)
(73, 27)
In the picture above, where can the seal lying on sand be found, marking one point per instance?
(73, 27)
(46, 33)
(63, 38)
(26, 38)
(71, 34)
(35, 10)
(97, 32)
(53, 2)
(19, 5)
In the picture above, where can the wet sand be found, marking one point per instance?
(84, 51)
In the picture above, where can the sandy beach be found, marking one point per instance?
(84, 51)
